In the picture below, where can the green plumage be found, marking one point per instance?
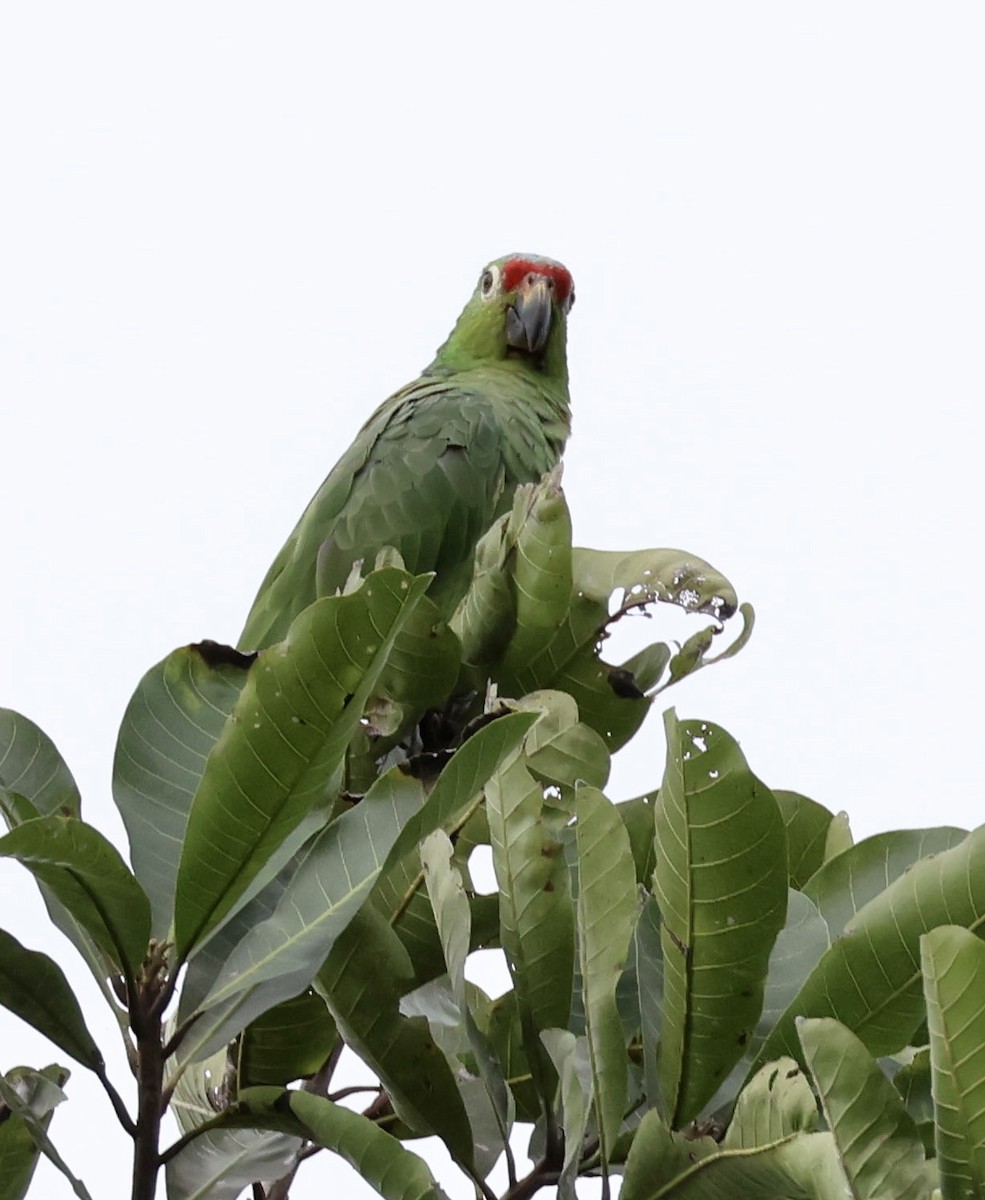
(438, 461)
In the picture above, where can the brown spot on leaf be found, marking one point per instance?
(216, 654)
(624, 684)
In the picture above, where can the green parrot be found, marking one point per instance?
(439, 461)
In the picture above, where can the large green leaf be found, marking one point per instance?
(606, 915)
(30, 1097)
(277, 958)
(796, 952)
(953, 969)
(169, 728)
(90, 879)
(283, 744)
(363, 980)
(721, 883)
(535, 907)
(35, 988)
(878, 1144)
(870, 979)
(847, 882)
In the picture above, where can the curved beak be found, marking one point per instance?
(528, 319)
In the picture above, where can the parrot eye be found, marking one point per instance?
(571, 300)
(488, 281)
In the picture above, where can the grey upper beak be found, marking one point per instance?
(528, 320)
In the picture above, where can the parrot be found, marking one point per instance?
(439, 461)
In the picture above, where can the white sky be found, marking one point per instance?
(230, 230)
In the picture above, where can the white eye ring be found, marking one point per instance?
(489, 282)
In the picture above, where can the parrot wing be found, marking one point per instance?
(426, 475)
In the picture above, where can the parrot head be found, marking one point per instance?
(517, 314)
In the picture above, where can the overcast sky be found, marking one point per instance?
(230, 230)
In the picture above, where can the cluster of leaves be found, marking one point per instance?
(701, 976)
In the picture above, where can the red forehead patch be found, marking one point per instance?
(514, 270)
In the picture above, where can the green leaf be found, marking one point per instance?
(878, 1144)
(30, 1096)
(846, 883)
(283, 744)
(454, 799)
(33, 1095)
(796, 952)
(870, 979)
(953, 968)
(506, 1037)
(451, 911)
(806, 823)
(169, 728)
(541, 567)
(914, 1082)
(363, 980)
(658, 1156)
(721, 883)
(35, 988)
(90, 879)
(650, 982)
(839, 837)
(220, 1163)
(31, 766)
(536, 912)
(802, 1167)
(638, 817)
(606, 913)
(571, 1059)
(775, 1103)
(396, 1173)
(17, 810)
(610, 699)
(221, 1160)
(560, 749)
(290, 1041)
(278, 958)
